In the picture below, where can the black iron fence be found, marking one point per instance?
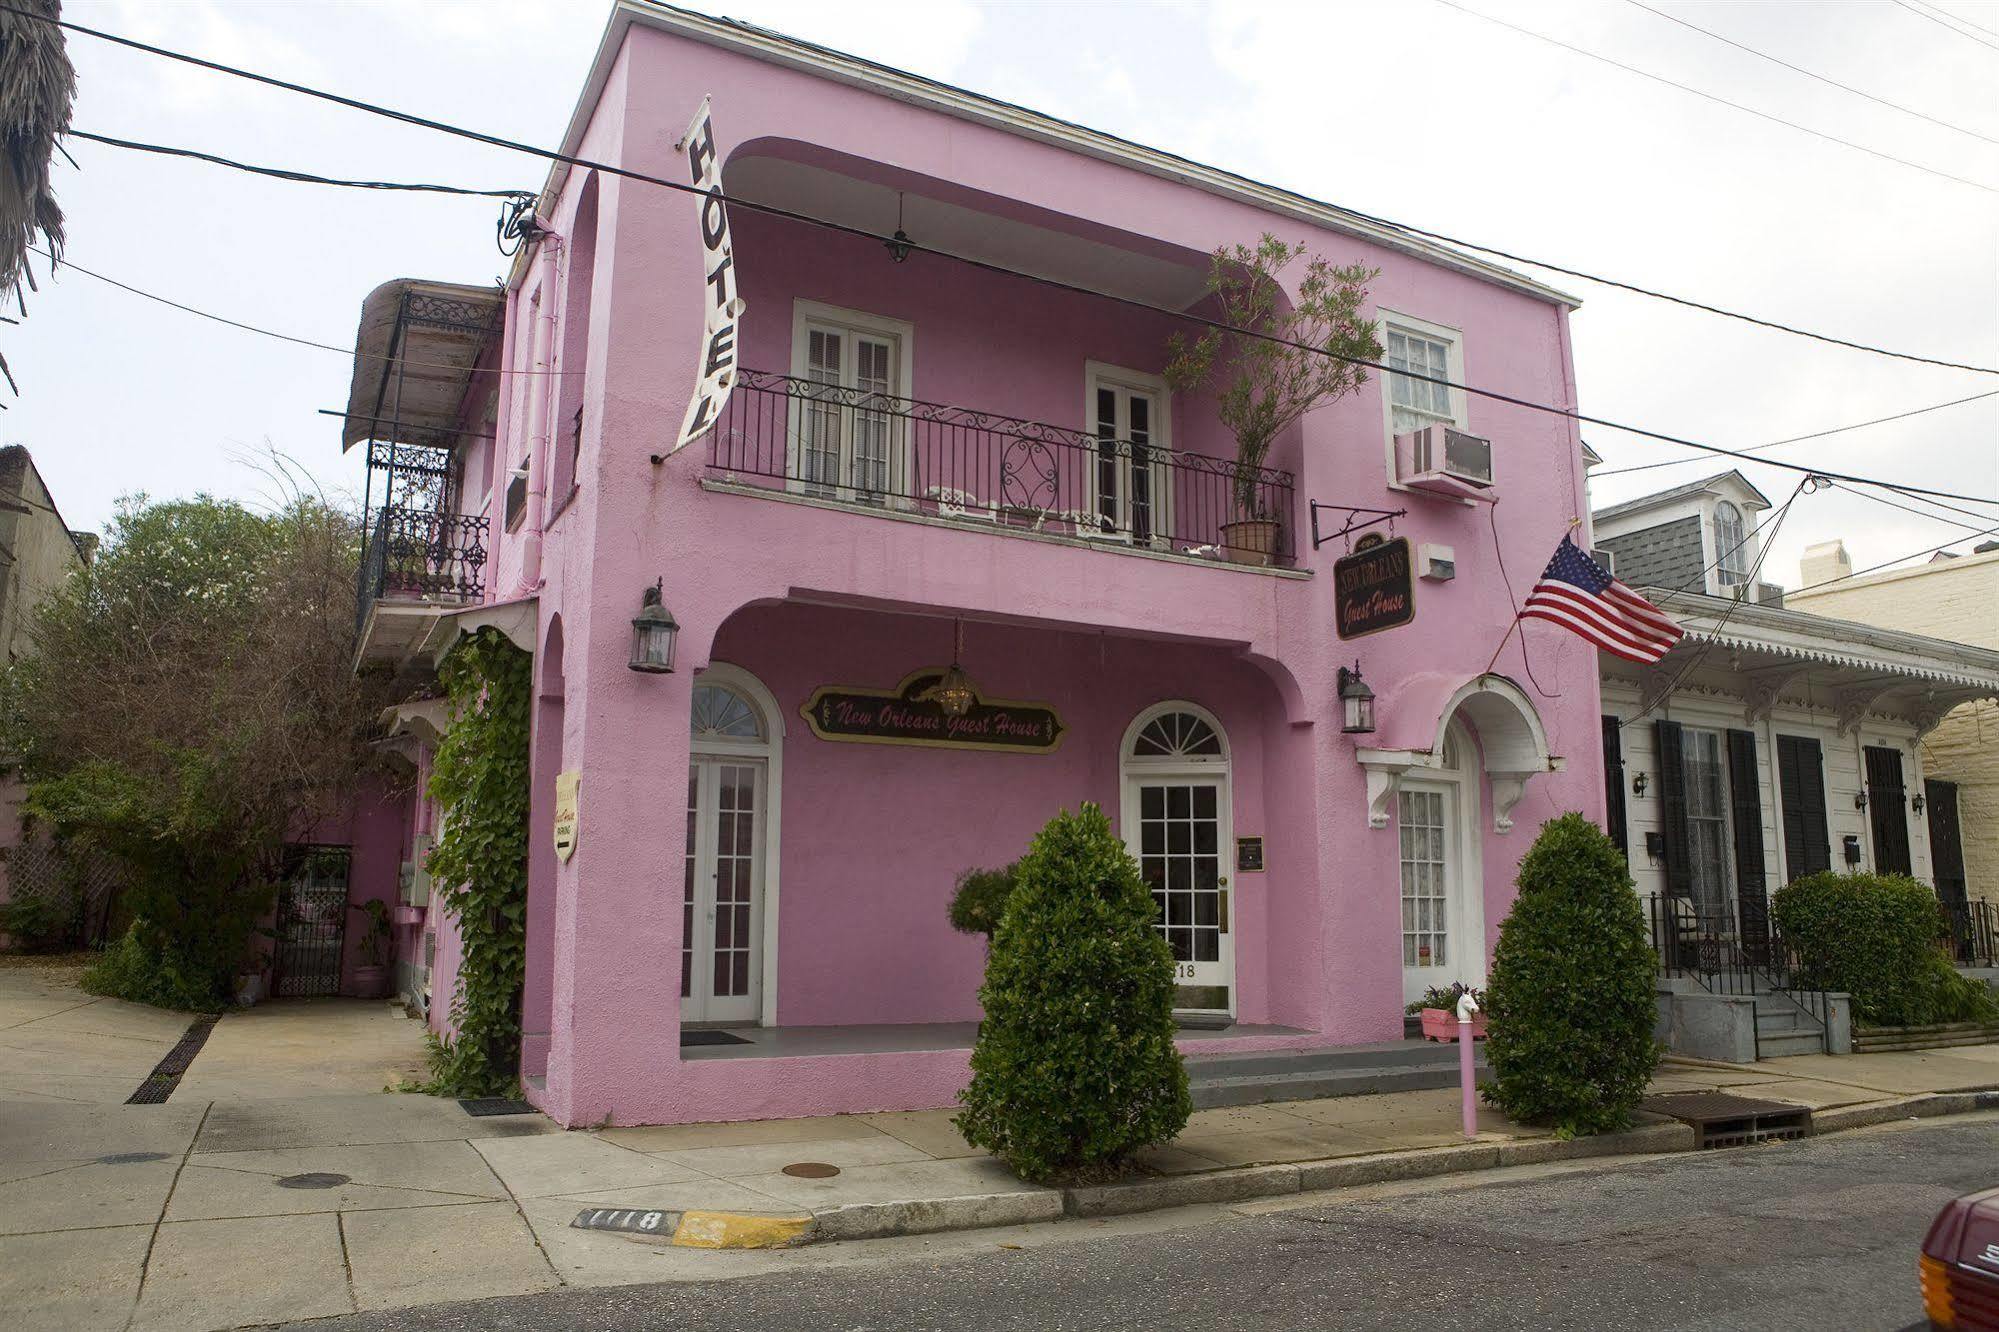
(861, 447)
(1729, 954)
(1972, 930)
(420, 555)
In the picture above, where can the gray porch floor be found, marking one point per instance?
(900, 1037)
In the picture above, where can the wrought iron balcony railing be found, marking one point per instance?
(1972, 929)
(898, 454)
(418, 555)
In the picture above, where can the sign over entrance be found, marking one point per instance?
(1372, 588)
(909, 714)
(715, 367)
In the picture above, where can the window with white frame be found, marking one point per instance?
(849, 440)
(1704, 769)
(1731, 545)
(1417, 402)
(1129, 481)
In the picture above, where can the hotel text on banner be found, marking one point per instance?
(715, 368)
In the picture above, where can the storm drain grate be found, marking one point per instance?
(166, 1074)
(483, 1107)
(1722, 1120)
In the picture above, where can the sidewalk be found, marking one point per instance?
(230, 1205)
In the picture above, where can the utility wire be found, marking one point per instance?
(1956, 17)
(1810, 74)
(303, 177)
(1910, 508)
(556, 157)
(1947, 23)
(1877, 568)
(918, 247)
(1799, 439)
(1688, 88)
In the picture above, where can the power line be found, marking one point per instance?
(1712, 97)
(353, 352)
(915, 246)
(1956, 17)
(1909, 508)
(1799, 439)
(549, 155)
(302, 177)
(1810, 74)
(1877, 568)
(1947, 24)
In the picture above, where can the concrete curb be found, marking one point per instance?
(926, 1216)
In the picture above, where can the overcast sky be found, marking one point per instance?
(1413, 110)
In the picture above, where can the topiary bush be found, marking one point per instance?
(1877, 937)
(979, 899)
(1075, 1068)
(1571, 994)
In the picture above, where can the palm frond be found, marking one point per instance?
(37, 90)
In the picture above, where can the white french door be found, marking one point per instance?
(1439, 943)
(721, 951)
(1129, 484)
(849, 441)
(1182, 829)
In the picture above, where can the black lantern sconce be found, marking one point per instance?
(653, 632)
(1639, 783)
(898, 245)
(1860, 800)
(1917, 801)
(1356, 703)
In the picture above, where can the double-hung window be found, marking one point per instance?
(1418, 355)
(1731, 545)
(849, 419)
(1705, 776)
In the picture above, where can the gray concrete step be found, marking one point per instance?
(1297, 1075)
(1775, 1045)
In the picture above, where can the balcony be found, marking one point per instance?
(880, 453)
(417, 565)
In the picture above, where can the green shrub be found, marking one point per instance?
(1876, 937)
(143, 966)
(979, 899)
(43, 922)
(1571, 997)
(1075, 1069)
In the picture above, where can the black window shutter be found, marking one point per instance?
(1801, 774)
(1745, 799)
(1613, 783)
(1887, 810)
(1671, 741)
(1946, 842)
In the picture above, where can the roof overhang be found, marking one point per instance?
(414, 636)
(417, 349)
(1800, 636)
(823, 62)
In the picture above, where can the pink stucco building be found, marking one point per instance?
(927, 462)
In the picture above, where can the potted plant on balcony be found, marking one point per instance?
(1439, 1009)
(371, 978)
(1294, 354)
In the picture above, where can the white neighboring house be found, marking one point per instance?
(1768, 744)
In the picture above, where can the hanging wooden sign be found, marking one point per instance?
(1373, 588)
(568, 812)
(909, 715)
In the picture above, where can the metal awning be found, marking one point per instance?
(414, 357)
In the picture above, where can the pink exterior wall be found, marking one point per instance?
(1099, 633)
(372, 827)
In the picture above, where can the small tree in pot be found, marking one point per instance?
(1304, 358)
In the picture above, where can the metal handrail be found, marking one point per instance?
(419, 555)
(1708, 946)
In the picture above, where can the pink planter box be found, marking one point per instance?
(1440, 1024)
(409, 915)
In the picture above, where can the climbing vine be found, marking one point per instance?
(480, 782)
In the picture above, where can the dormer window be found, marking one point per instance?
(1731, 545)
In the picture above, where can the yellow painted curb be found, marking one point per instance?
(733, 1230)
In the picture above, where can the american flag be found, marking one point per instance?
(1580, 595)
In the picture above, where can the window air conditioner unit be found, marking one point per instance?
(1446, 460)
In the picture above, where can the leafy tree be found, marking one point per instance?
(189, 702)
(1267, 385)
(1571, 996)
(1075, 1068)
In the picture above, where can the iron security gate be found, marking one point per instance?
(312, 923)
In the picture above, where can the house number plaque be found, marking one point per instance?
(909, 715)
(1372, 590)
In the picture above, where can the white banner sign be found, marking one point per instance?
(715, 368)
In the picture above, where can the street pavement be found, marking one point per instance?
(1818, 1234)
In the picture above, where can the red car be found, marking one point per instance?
(1960, 1264)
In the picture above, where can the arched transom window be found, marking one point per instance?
(720, 713)
(1177, 735)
